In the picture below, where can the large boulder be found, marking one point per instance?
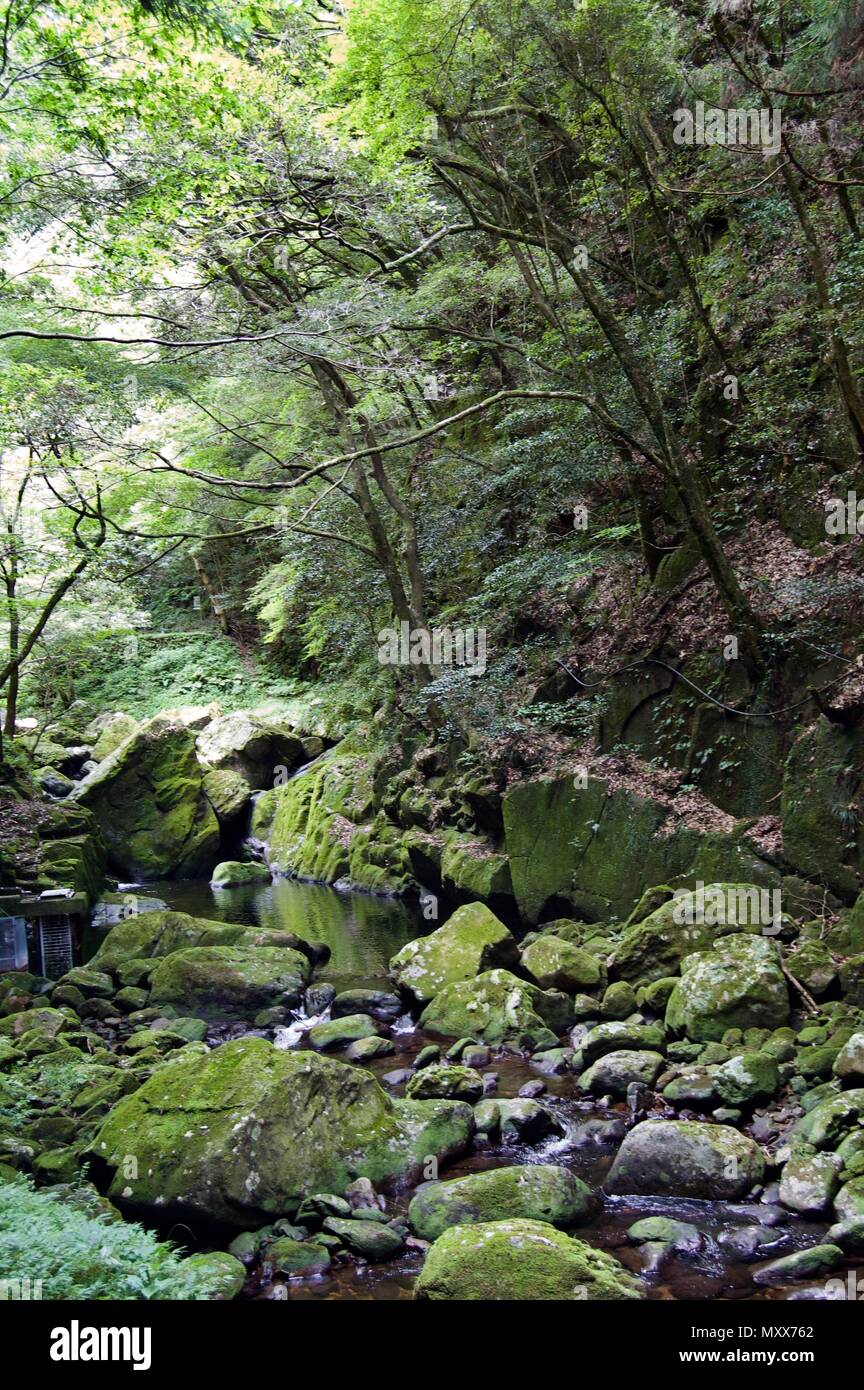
(557, 964)
(150, 935)
(242, 1134)
(107, 732)
(685, 1158)
(473, 940)
(254, 749)
(230, 981)
(148, 799)
(739, 984)
(690, 921)
(536, 1192)
(228, 793)
(498, 1008)
(520, 1261)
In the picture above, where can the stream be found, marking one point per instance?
(363, 933)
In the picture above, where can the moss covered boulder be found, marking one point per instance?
(536, 1192)
(498, 1008)
(685, 1158)
(446, 1083)
(242, 1134)
(556, 964)
(148, 799)
(520, 1261)
(470, 867)
(107, 732)
(473, 940)
(230, 981)
(232, 873)
(151, 935)
(309, 823)
(250, 747)
(739, 984)
(228, 794)
(690, 921)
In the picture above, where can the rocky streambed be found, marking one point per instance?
(375, 1109)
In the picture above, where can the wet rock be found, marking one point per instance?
(366, 1239)
(677, 1158)
(622, 1037)
(377, 1003)
(849, 1063)
(678, 1236)
(849, 1202)
(613, 1074)
(297, 1259)
(361, 1194)
(246, 1131)
(532, 1089)
(313, 1211)
(317, 999)
(694, 1087)
(751, 1242)
(516, 1121)
(427, 1056)
(737, 984)
(848, 1234)
(497, 1008)
(819, 1259)
(469, 944)
(446, 1083)
(230, 981)
(619, 1001)
(234, 874)
(743, 1080)
(339, 1032)
(536, 1192)
(519, 1261)
(476, 1057)
(556, 964)
(554, 1062)
(215, 1275)
(364, 1049)
(809, 1181)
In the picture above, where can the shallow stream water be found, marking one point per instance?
(363, 933)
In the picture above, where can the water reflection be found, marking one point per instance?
(362, 932)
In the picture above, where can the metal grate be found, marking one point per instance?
(56, 943)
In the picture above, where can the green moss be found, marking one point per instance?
(537, 1192)
(229, 981)
(496, 1008)
(471, 941)
(519, 1261)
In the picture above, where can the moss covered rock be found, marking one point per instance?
(739, 984)
(309, 824)
(535, 1192)
(816, 841)
(446, 1083)
(152, 935)
(519, 1261)
(232, 874)
(250, 747)
(471, 941)
(688, 922)
(497, 1008)
(229, 981)
(148, 799)
(751, 1077)
(678, 1158)
(557, 964)
(243, 1133)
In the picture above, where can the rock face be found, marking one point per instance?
(250, 747)
(496, 1008)
(240, 1135)
(739, 984)
(675, 1158)
(536, 1192)
(473, 940)
(148, 799)
(519, 1261)
(230, 981)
